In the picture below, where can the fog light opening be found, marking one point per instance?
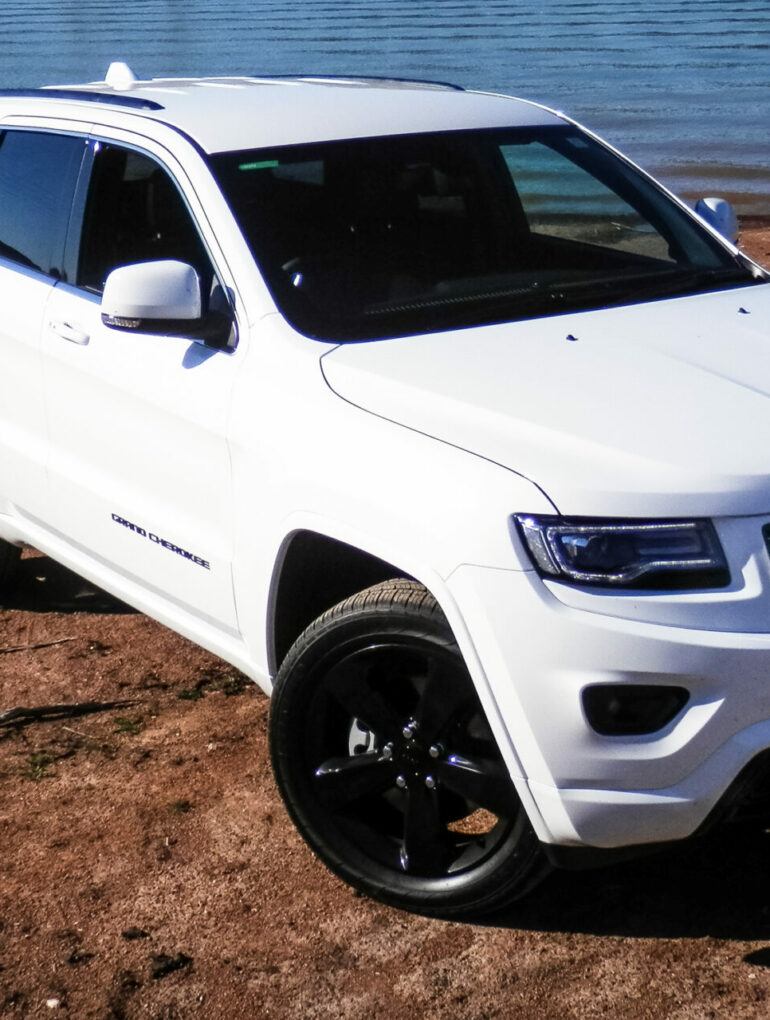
(624, 710)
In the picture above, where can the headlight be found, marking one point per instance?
(625, 554)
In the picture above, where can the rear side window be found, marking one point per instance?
(38, 174)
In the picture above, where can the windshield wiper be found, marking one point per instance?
(697, 280)
(539, 297)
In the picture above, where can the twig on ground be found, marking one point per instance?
(45, 712)
(78, 733)
(42, 644)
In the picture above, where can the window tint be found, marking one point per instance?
(135, 213)
(38, 173)
(390, 236)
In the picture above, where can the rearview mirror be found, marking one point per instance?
(719, 214)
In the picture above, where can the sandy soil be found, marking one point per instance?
(755, 238)
(148, 869)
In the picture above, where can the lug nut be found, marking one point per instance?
(435, 751)
(430, 782)
(409, 731)
(400, 782)
(387, 751)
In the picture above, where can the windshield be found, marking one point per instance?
(393, 236)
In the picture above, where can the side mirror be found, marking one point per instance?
(164, 298)
(161, 292)
(720, 215)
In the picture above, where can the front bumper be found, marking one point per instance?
(536, 654)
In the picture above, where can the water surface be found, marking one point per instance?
(683, 86)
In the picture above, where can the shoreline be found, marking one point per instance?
(754, 237)
(753, 203)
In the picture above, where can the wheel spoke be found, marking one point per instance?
(342, 781)
(350, 684)
(445, 692)
(427, 848)
(485, 782)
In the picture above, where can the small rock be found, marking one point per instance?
(135, 933)
(79, 956)
(161, 964)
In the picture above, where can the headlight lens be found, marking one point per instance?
(625, 554)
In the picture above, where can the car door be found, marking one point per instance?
(139, 465)
(38, 175)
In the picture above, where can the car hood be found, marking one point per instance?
(657, 409)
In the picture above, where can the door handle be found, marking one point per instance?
(68, 332)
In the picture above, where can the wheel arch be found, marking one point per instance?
(313, 573)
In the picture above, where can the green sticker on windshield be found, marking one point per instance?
(266, 164)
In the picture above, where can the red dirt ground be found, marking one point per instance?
(148, 868)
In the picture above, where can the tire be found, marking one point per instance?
(387, 765)
(9, 560)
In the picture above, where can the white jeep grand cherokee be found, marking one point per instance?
(425, 409)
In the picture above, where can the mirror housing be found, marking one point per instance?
(158, 291)
(164, 298)
(720, 215)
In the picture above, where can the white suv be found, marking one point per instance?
(429, 412)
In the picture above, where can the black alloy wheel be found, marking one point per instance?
(387, 764)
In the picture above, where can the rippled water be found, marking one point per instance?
(683, 86)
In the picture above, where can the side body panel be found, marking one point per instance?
(23, 438)
(139, 462)
(139, 466)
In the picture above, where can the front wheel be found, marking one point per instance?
(387, 764)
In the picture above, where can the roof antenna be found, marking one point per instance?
(119, 76)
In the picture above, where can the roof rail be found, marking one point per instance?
(84, 95)
(363, 77)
